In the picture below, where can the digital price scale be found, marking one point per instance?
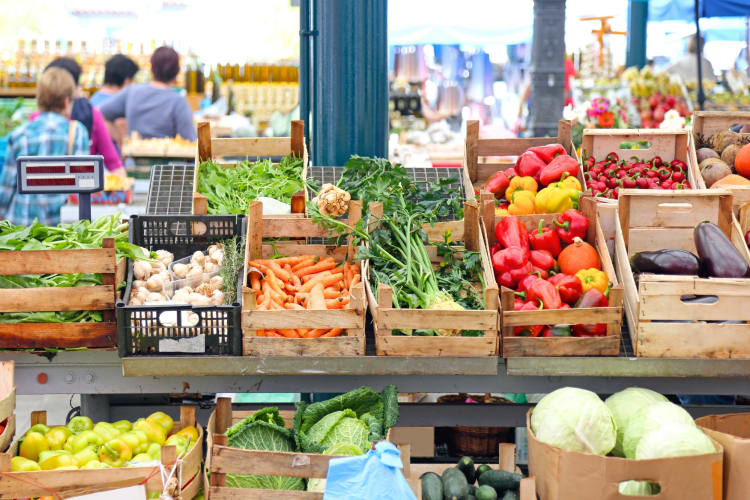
(62, 175)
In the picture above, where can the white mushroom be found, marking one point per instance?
(141, 269)
(156, 297)
(197, 299)
(216, 282)
(198, 258)
(194, 272)
(217, 298)
(142, 294)
(180, 270)
(157, 267)
(138, 284)
(210, 267)
(164, 257)
(165, 276)
(155, 283)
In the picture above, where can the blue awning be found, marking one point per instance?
(684, 10)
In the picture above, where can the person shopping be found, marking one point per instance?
(53, 133)
(154, 109)
(91, 118)
(119, 71)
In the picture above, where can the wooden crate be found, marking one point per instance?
(668, 144)
(222, 460)
(250, 147)
(7, 403)
(707, 123)
(386, 318)
(477, 172)
(352, 318)
(608, 345)
(69, 483)
(506, 462)
(83, 298)
(661, 324)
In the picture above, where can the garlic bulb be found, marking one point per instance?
(216, 282)
(180, 270)
(197, 299)
(135, 301)
(164, 257)
(217, 298)
(142, 294)
(165, 276)
(141, 269)
(156, 297)
(138, 284)
(198, 258)
(210, 267)
(157, 267)
(194, 272)
(155, 283)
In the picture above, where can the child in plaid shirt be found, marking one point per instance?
(51, 134)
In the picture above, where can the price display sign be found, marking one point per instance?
(62, 175)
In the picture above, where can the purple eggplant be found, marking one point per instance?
(719, 257)
(666, 262)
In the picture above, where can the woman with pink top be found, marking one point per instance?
(91, 118)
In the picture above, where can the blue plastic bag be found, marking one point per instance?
(374, 476)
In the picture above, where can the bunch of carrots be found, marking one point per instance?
(302, 282)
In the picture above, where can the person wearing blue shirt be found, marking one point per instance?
(119, 71)
(50, 134)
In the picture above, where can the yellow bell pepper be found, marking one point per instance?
(82, 440)
(137, 441)
(123, 425)
(57, 436)
(96, 464)
(106, 430)
(115, 453)
(79, 424)
(86, 455)
(40, 428)
(179, 442)
(162, 420)
(520, 184)
(568, 182)
(49, 460)
(593, 278)
(189, 432)
(154, 451)
(522, 203)
(552, 200)
(32, 445)
(21, 464)
(153, 432)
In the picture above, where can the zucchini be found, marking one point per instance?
(466, 465)
(486, 492)
(432, 486)
(472, 489)
(455, 486)
(511, 495)
(500, 480)
(481, 469)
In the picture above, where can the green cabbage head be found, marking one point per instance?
(624, 405)
(651, 418)
(341, 427)
(638, 488)
(576, 420)
(675, 440)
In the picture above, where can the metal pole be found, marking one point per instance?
(698, 55)
(305, 36)
(637, 23)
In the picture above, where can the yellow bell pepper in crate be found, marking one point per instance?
(593, 278)
(553, 199)
(520, 184)
(522, 203)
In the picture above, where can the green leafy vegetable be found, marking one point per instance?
(234, 261)
(263, 430)
(358, 418)
(229, 190)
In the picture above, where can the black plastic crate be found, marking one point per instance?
(139, 329)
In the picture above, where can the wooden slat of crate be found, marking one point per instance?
(254, 147)
(79, 482)
(513, 346)
(477, 172)
(707, 123)
(85, 298)
(657, 298)
(352, 318)
(387, 318)
(668, 144)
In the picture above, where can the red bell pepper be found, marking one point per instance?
(556, 331)
(511, 265)
(570, 287)
(571, 224)
(525, 283)
(542, 259)
(511, 232)
(592, 298)
(544, 238)
(497, 184)
(546, 292)
(549, 152)
(555, 170)
(528, 330)
(495, 248)
(529, 164)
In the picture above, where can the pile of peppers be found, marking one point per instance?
(607, 176)
(543, 180)
(526, 261)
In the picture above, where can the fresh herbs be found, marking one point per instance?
(229, 190)
(233, 265)
(80, 235)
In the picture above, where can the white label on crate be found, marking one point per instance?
(131, 493)
(192, 344)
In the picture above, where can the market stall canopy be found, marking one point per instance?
(684, 10)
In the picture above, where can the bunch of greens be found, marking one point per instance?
(377, 180)
(7, 121)
(263, 430)
(234, 258)
(350, 421)
(80, 235)
(229, 190)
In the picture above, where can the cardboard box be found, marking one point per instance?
(421, 439)
(569, 475)
(732, 431)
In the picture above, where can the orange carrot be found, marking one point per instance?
(331, 293)
(291, 289)
(260, 333)
(315, 333)
(293, 306)
(348, 274)
(295, 280)
(288, 333)
(278, 271)
(307, 262)
(334, 332)
(258, 262)
(355, 280)
(255, 282)
(323, 265)
(309, 277)
(317, 300)
(273, 333)
(323, 280)
(337, 303)
(291, 261)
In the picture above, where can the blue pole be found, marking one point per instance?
(349, 71)
(636, 43)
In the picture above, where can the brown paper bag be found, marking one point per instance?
(733, 432)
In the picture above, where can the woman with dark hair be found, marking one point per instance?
(91, 118)
(119, 71)
(154, 109)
